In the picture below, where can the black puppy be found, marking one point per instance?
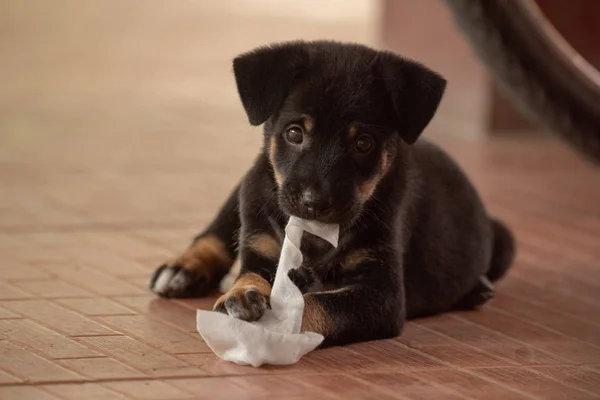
(340, 126)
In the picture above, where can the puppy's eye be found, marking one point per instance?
(294, 135)
(363, 144)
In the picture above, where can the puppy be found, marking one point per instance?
(341, 123)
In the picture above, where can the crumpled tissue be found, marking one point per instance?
(276, 338)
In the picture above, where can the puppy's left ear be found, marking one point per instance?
(415, 93)
(265, 75)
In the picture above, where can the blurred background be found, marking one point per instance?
(124, 106)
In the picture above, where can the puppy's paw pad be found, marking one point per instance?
(247, 304)
(175, 281)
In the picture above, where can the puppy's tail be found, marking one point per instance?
(503, 250)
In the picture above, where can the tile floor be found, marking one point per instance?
(111, 158)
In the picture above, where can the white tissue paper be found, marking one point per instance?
(275, 338)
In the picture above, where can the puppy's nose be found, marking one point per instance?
(314, 203)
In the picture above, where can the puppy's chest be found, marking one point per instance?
(320, 268)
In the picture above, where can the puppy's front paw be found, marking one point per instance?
(246, 303)
(195, 272)
(177, 281)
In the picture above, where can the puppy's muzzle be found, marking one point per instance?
(315, 205)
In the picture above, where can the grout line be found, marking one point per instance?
(434, 384)
(546, 307)
(511, 338)
(164, 321)
(468, 372)
(506, 337)
(477, 349)
(99, 334)
(554, 379)
(563, 314)
(541, 326)
(80, 357)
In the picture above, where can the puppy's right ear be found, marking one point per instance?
(265, 75)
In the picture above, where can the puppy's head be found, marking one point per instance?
(334, 114)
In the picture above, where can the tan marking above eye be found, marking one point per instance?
(309, 124)
(353, 131)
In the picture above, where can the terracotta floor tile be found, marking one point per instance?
(5, 378)
(9, 291)
(25, 393)
(534, 383)
(148, 390)
(340, 359)
(58, 318)
(469, 385)
(104, 260)
(490, 342)
(25, 364)
(578, 377)
(76, 391)
(204, 303)
(95, 307)
(52, 289)
(21, 272)
(215, 388)
(407, 386)
(141, 356)
(214, 366)
(5, 314)
(127, 245)
(140, 281)
(92, 280)
(554, 320)
(415, 335)
(462, 356)
(163, 309)
(43, 340)
(269, 385)
(334, 384)
(156, 333)
(392, 354)
(570, 304)
(101, 368)
(544, 339)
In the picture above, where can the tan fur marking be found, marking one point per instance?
(353, 132)
(367, 188)
(272, 148)
(308, 124)
(386, 162)
(245, 282)
(354, 258)
(207, 253)
(265, 245)
(315, 318)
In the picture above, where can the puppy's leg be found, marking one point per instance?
(372, 308)
(249, 297)
(200, 268)
(478, 296)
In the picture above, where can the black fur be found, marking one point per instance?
(418, 244)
